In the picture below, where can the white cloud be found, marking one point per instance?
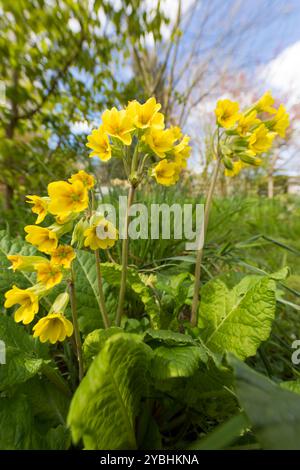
(283, 73)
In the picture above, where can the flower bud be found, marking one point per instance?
(78, 232)
(228, 163)
(250, 159)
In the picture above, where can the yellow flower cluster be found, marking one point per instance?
(65, 202)
(249, 133)
(142, 127)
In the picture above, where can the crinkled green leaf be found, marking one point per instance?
(58, 438)
(273, 411)
(291, 385)
(280, 275)
(49, 405)
(87, 291)
(20, 430)
(17, 424)
(25, 356)
(112, 387)
(237, 320)
(176, 361)
(168, 338)
(95, 341)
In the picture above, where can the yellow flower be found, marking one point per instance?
(28, 301)
(44, 239)
(49, 274)
(66, 197)
(118, 124)
(63, 255)
(237, 166)
(176, 132)
(160, 141)
(63, 218)
(98, 141)
(87, 180)
(102, 234)
(40, 207)
(265, 104)
(146, 115)
(227, 113)
(166, 173)
(261, 139)
(182, 151)
(281, 121)
(54, 327)
(24, 263)
(246, 122)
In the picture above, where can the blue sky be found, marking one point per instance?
(269, 26)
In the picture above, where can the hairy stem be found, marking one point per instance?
(75, 324)
(101, 298)
(125, 245)
(211, 189)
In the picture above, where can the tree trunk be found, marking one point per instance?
(8, 196)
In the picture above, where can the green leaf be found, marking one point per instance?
(273, 411)
(87, 292)
(17, 424)
(20, 430)
(58, 438)
(291, 385)
(176, 361)
(280, 275)
(107, 402)
(95, 341)
(237, 320)
(167, 337)
(25, 355)
(49, 405)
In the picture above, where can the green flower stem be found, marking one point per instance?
(75, 324)
(125, 246)
(101, 298)
(211, 189)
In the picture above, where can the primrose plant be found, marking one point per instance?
(138, 137)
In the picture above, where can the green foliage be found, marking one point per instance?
(95, 341)
(24, 355)
(176, 361)
(20, 430)
(152, 388)
(273, 411)
(32, 408)
(223, 435)
(237, 320)
(112, 387)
